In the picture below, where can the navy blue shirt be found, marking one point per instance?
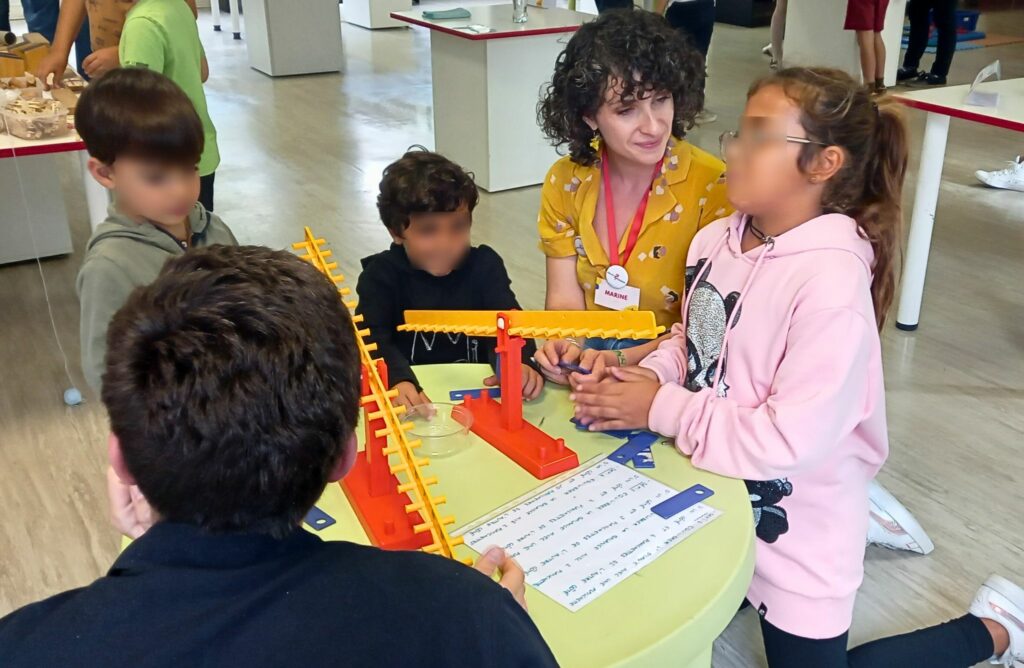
(179, 597)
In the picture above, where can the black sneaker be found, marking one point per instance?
(907, 73)
(931, 79)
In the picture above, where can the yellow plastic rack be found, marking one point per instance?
(410, 465)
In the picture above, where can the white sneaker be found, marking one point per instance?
(1011, 178)
(1003, 602)
(705, 117)
(767, 50)
(891, 525)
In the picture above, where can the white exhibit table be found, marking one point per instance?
(941, 104)
(815, 36)
(36, 225)
(486, 88)
(374, 14)
(284, 40)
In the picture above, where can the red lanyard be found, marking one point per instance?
(609, 211)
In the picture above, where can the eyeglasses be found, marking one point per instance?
(755, 140)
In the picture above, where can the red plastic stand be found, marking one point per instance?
(372, 491)
(502, 425)
(538, 453)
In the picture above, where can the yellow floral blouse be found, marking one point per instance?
(689, 194)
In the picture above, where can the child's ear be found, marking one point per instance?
(116, 457)
(827, 164)
(591, 123)
(347, 460)
(102, 172)
(395, 237)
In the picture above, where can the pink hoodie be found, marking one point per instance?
(799, 411)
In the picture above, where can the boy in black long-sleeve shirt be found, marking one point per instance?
(426, 201)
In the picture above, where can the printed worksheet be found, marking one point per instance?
(581, 537)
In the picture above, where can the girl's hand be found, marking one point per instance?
(554, 351)
(621, 401)
(533, 383)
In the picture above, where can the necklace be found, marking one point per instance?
(758, 234)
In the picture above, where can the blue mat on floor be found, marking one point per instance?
(960, 46)
(933, 39)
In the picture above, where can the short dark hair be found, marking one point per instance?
(232, 382)
(423, 182)
(636, 47)
(140, 113)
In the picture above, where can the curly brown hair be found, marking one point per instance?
(639, 49)
(837, 111)
(422, 181)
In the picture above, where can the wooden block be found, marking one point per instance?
(34, 55)
(11, 65)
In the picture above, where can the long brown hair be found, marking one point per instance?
(837, 111)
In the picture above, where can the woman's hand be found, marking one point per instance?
(621, 401)
(555, 352)
(597, 362)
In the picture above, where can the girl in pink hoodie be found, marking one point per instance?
(775, 373)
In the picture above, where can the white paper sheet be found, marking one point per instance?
(979, 98)
(589, 532)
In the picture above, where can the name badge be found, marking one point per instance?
(626, 298)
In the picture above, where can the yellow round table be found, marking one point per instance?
(667, 614)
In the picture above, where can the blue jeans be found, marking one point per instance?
(41, 17)
(596, 343)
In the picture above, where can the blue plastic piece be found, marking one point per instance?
(644, 459)
(636, 443)
(459, 395)
(681, 501)
(574, 368)
(614, 433)
(72, 396)
(318, 519)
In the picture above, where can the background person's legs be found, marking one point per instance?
(945, 25)
(778, 30)
(866, 44)
(606, 5)
(5, 16)
(955, 644)
(697, 20)
(206, 191)
(879, 61)
(919, 29)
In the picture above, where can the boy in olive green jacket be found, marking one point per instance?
(145, 140)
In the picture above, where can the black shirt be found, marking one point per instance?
(178, 597)
(389, 285)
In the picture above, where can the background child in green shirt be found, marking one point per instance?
(162, 35)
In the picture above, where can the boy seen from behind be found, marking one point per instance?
(233, 396)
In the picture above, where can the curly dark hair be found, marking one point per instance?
(422, 181)
(637, 48)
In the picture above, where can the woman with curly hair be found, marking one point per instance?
(618, 213)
